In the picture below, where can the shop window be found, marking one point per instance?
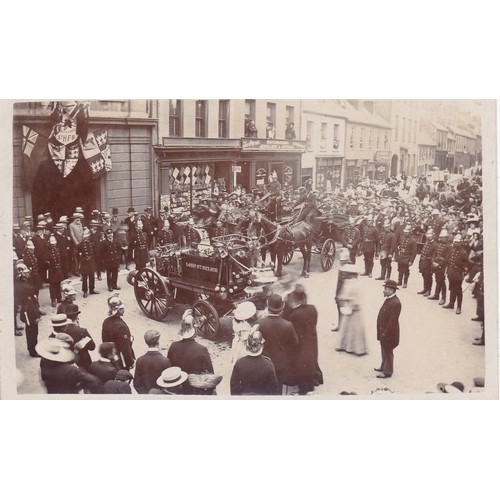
(351, 138)
(271, 120)
(201, 119)
(378, 139)
(361, 137)
(174, 121)
(223, 118)
(370, 139)
(290, 115)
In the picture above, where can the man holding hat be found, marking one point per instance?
(150, 365)
(115, 330)
(82, 341)
(458, 262)
(281, 340)
(254, 374)
(187, 354)
(388, 328)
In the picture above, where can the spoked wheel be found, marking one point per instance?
(206, 319)
(327, 254)
(287, 256)
(151, 294)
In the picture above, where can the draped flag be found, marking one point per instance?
(64, 156)
(97, 152)
(34, 149)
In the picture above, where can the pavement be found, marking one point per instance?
(435, 343)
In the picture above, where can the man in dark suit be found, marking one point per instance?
(111, 254)
(150, 366)
(388, 328)
(82, 341)
(280, 340)
(187, 354)
(105, 367)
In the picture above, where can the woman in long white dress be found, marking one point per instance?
(352, 328)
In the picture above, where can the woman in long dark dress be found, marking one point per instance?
(304, 318)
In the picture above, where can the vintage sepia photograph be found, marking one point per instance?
(265, 248)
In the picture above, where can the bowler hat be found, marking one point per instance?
(131, 210)
(72, 310)
(275, 303)
(114, 211)
(171, 377)
(391, 284)
(106, 348)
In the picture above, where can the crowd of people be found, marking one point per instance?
(398, 222)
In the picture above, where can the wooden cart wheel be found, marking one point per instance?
(327, 254)
(206, 319)
(287, 256)
(152, 294)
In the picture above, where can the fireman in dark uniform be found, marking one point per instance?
(425, 262)
(439, 263)
(350, 240)
(55, 273)
(31, 262)
(41, 241)
(435, 222)
(458, 262)
(165, 236)
(141, 250)
(309, 201)
(352, 210)
(406, 251)
(130, 221)
(96, 238)
(111, 254)
(85, 252)
(386, 249)
(150, 226)
(219, 230)
(64, 245)
(369, 244)
(192, 235)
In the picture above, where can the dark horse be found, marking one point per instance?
(280, 238)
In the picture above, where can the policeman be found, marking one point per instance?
(309, 201)
(192, 235)
(64, 245)
(31, 262)
(350, 240)
(386, 249)
(115, 330)
(111, 254)
(219, 230)
(369, 244)
(53, 262)
(425, 262)
(96, 238)
(458, 262)
(406, 252)
(439, 263)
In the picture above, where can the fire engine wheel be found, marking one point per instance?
(327, 254)
(151, 294)
(287, 256)
(206, 319)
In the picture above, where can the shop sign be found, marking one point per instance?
(236, 169)
(381, 168)
(249, 144)
(384, 156)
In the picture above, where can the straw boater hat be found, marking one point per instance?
(171, 377)
(344, 254)
(59, 320)
(55, 350)
(453, 388)
(244, 311)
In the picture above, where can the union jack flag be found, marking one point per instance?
(29, 140)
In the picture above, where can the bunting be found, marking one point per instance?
(97, 152)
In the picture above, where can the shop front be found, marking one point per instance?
(188, 171)
(328, 173)
(382, 165)
(352, 172)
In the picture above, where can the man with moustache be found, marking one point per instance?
(425, 263)
(111, 253)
